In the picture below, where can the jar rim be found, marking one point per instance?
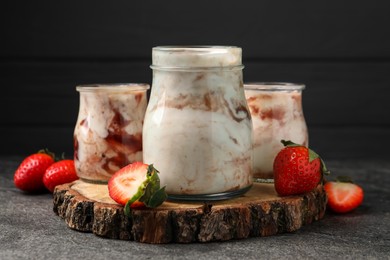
(197, 69)
(195, 48)
(109, 87)
(274, 86)
(195, 56)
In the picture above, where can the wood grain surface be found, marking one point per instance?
(260, 212)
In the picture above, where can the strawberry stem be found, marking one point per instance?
(53, 155)
(344, 179)
(62, 156)
(46, 151)
(323, 168)
(151, 170)
(289, 143)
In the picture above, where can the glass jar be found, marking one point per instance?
(108, 131)
(197, 129)
(277, 114)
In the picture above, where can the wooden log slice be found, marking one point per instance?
(260, 212)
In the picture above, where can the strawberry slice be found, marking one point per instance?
(127, 183)
(343, 196)
(136, 185)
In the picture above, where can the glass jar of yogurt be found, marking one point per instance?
(197, 129)
(277, 114)
(108, 131)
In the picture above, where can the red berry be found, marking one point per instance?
(343, 197)
(59, 173)
(297, 170)
(137, 205)
(28, 176)
(136, 185)
(126, 183)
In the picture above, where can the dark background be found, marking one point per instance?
(339, 49)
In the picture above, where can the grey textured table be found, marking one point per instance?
(30, 230)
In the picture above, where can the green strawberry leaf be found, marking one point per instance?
(127, 209)
(150, 189)
(324, 169)
(313, 155)
(149, 193)
(137, 196)
(152, 176)
(153, 196)
(157, 198)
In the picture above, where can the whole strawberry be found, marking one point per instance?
(297, 169)
(59, 173)
(28, 176)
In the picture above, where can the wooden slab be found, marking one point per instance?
(260, 212)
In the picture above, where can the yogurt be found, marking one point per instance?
(108, 131)
(277, 114)
(197, 129)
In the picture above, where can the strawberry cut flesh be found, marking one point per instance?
(128, 183)
(343, 197)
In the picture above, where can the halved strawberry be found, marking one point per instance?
(134, 184)
(343, 196)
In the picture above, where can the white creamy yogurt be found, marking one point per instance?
(197, 128)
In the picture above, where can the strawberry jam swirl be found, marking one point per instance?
(108, 132)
